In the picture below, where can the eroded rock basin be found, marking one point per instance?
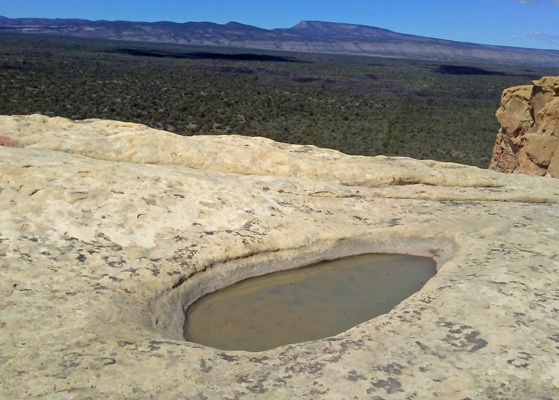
(304, 304)
(111, 230)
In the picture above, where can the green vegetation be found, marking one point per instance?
(358, 105)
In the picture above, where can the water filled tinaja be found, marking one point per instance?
(307, 303)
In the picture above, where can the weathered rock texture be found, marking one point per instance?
(108, 230)
(528, 141)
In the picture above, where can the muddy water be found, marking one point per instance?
(306, 303)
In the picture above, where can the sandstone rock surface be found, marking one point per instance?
(528, 141)
(108, 230)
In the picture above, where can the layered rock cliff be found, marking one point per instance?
(528, 141)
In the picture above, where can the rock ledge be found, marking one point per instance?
(109, 229)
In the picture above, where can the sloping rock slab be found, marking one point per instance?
(108, 230)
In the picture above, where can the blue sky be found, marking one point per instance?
(522, 23)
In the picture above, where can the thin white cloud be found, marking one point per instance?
(545, 37)
(545, 40)
(551, 2)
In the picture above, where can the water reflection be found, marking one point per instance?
(306, 303)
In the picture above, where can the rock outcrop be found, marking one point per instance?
(109, 230)
(528, 141)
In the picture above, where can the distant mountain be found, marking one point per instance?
(330, 30)
(307, 36)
